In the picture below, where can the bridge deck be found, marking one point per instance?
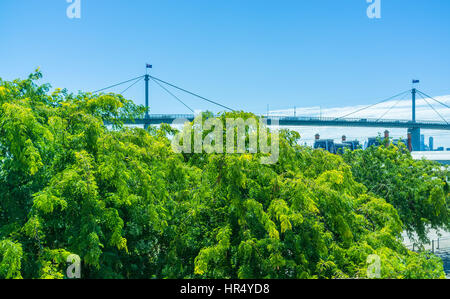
(156, 119)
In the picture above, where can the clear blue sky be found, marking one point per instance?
(245, 53)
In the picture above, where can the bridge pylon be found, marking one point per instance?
(147, 79)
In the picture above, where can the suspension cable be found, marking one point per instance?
(168, 91)
(137, 81)
(434, 109)
(370, 106)
(390, 109)
(117, 84)
(191, 93)
(433, 99)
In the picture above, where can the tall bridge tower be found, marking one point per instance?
(147, 79)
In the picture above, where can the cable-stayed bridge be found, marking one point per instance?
(413, 126)
(301, 121)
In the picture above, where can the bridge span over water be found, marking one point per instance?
(299, 121)
(413, 126)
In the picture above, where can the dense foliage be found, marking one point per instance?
(130, 207)
(417, 189)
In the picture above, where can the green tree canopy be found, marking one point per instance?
(417, 189)
(131, 207)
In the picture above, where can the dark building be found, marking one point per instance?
(373, 141)
(325, 144)
(335, 148)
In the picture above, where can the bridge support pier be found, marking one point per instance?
(147, 116)
(415, 138)
(415, 132)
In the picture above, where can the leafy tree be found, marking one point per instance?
(417, 189)
(131, 207)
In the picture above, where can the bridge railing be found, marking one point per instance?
(308, 118)
(171, 116)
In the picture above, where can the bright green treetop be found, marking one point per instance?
(130, 207)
